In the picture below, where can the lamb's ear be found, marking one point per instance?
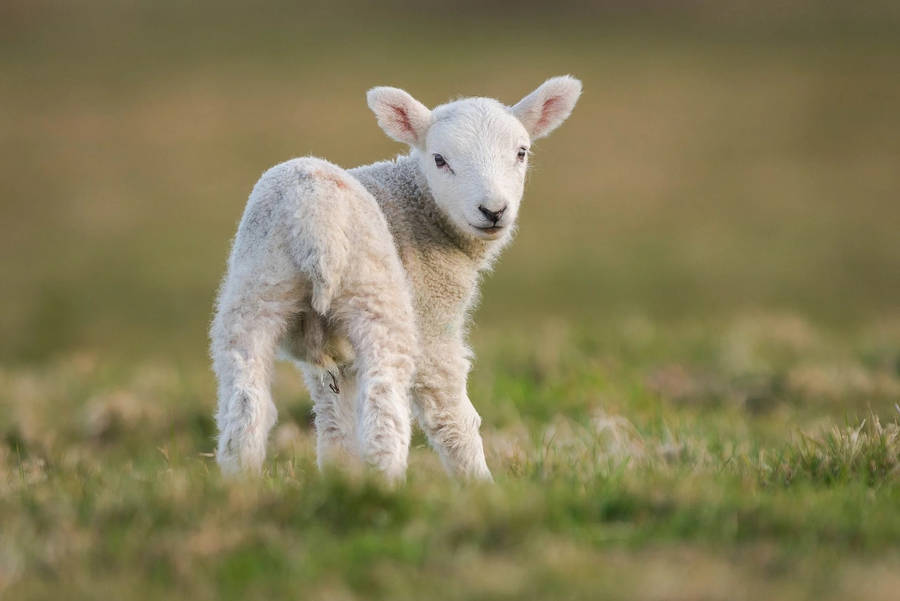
(401, 116)
(547, 107)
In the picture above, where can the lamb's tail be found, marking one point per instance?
(319, 238)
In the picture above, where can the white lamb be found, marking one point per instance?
(365, 278)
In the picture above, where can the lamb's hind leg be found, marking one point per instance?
(243, 348)
(333, 396)
(381, 329)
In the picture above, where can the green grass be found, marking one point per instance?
(621, 468)
(688, 362)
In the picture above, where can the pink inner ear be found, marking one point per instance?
(547, 112)
(402, 118)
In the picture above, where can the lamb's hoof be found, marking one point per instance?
(235, 465)
(480, 475)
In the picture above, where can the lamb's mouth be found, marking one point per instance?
(490, 229)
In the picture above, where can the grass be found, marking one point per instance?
(644, 478)
(688, 363)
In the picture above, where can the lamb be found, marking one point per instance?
(365, 278)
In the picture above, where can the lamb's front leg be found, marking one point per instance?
(446, 414)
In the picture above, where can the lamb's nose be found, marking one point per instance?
(493, 216)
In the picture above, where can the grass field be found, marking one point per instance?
(688, 363)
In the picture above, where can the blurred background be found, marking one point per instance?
(683, 358)
(725, 158)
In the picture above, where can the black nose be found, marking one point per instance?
(493, 216)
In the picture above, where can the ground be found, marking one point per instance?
(688, 362)
(759, 460)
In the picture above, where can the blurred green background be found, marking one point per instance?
(724, 158)
(688, 360)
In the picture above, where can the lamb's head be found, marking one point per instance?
(474, 152)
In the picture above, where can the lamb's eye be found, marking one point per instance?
(523, 152)
(439, 161)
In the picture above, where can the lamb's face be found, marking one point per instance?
(474, 152)
(474, 158)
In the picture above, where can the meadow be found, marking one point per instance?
(688, 362)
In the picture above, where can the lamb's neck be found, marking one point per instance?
(401, 187)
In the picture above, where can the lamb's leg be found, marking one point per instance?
(334, 398)
(243, 348)
(380, 327)
(446, 414)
